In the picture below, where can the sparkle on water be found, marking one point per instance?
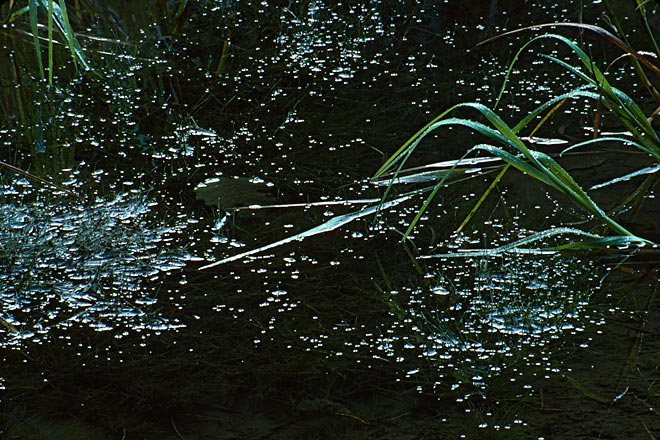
(285, 113)
(99, 263)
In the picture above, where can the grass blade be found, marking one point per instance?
(328, 226)
(590, 241)
(34, 26)
(483, 198)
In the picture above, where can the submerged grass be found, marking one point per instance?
(507, 144)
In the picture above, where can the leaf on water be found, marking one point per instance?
(232, 192)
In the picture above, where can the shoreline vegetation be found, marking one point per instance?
(195, 243)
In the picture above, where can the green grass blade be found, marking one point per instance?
(518, 245)
(17, 13)
(554, 175)
(620, 103)
(533, 163)
(58, 14)
(34, 27)
(327, 226)
(596, 29)
(618, 140)
(529, 163)
(577, 93)
(642, 10)
(590, 241)
(411, 143)
(626, 103)
(517, 162)
(483, 197)
(67, 32)
(646, 170)
(50, 41)
(579, 196)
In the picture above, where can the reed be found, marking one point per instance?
(506, 142)
(56, 19)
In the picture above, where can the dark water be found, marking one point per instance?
(177, 152)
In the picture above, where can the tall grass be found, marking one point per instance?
(37, 35)
(66, 61)
(56, 19)
(506, 142)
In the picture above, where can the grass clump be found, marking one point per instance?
(512, 144)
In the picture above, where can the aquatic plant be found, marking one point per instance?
(57, 19)
(511, 149)
(23, 39)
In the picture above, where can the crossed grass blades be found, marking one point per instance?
(506, 144)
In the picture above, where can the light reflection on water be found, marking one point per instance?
(65, 262)
(470, 322)
(292, 109)
(497, 313)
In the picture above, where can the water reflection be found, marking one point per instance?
(312, 97)
(65, 262)
(483, 317)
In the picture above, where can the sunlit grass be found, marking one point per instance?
(506, 142)
(57, 18)
(69, 62)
